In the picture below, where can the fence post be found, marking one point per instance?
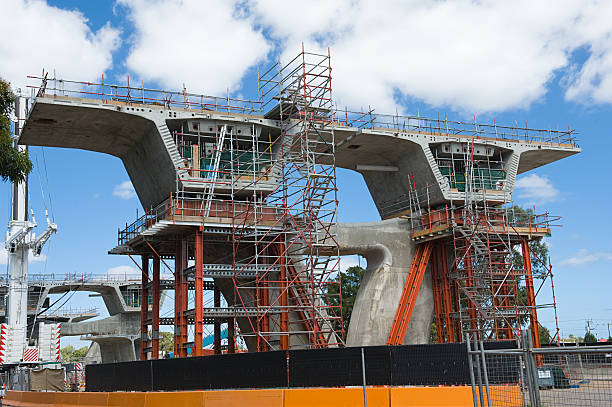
(471, 366)
(531, 370)
(363, 373)
(485, 373)
(478, 372)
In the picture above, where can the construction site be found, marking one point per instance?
(241, 228)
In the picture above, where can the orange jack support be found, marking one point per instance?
(533, 322)
(410, 293)
(199, 294)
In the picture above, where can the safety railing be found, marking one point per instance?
(506, 219)
(445, 127)
(191, 209)
(129, 94)
(76, 278)
(70, 311)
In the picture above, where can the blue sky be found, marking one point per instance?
(547, 65)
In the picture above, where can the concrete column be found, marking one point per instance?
(388, 249)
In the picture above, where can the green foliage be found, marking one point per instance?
(589, 338)
(166, 342)
(538, 248)
(15, 165)
(349, 284)
(70, 355)
(545, 337)
(433, 333)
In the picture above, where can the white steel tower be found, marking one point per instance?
(19, 241)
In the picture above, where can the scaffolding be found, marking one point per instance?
(485, 277)
(251, 224)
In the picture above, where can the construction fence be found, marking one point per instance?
(546, 377)
(407, 365)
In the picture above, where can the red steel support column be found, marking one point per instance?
(217, 323)
(265, 302)
(535, 332)
(284, 316)
(446, 293)
(178, 301)
(185, 300)
(231, 335)
(155, 310)
(144, 308)
(435, 280)
(199, 293)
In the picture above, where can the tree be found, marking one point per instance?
(538, 247)
(545, 337)
(349, 284)
(15, 165)
(589, 337)
(433, 333)
(70, 355)
(166, 342)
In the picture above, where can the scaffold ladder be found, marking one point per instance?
(215, 170)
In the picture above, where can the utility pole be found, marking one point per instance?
(587, 326)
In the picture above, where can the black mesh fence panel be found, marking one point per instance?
(417, 365)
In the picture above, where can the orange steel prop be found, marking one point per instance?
(410, 293)
(533, 322)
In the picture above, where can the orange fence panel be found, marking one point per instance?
(336, 397)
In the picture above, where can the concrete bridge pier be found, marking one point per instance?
(388, 249)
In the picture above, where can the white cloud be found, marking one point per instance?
(584, 257)
(347, 262)
(476, 56)
(124, 271)
(31, 257)
(125, 190)
(207, 45)
(536, 189)
(34, 35)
